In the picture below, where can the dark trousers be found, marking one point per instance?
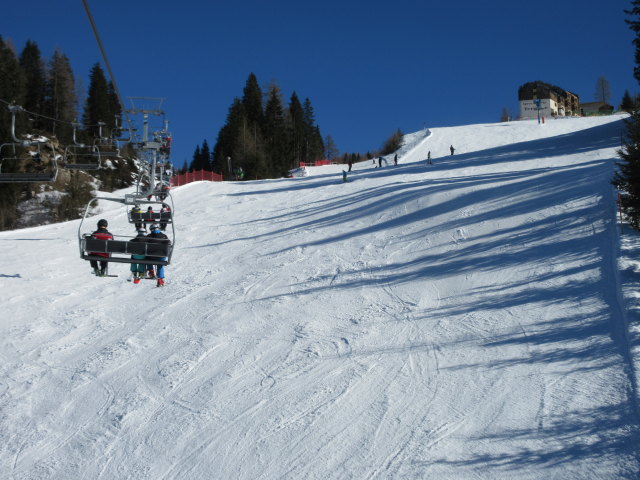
(103, 265)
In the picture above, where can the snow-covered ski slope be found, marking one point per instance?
(454, 321)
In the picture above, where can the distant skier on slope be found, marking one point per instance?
(452, 149)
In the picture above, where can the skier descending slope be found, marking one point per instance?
(156, 236)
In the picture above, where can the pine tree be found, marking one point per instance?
(317, 144)
(201, 158)
(12, 87)
(266, 142)
(602, 93)
(98, 107)
(627, 178)
(252, 101)
(78, 193)
(226, 147)
(309, 127)
(627, 104)
(250, 153)
(195, 160)
(313, 145)
(634, 25)
(275, 132)
(116, 111)
(296, 126)
(33, 68)
(60, 97)
(393, 143)
(331, 150)
(205, 156)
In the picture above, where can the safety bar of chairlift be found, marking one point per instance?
(145, 261)
(153, 217)
(109, 153)
(156, 251)
(81, 166)
(28, 177)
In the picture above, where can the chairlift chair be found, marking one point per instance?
(80, 156)
(10, 156)
(146, 217)
(107, 146)
(121, 248)
(107, 149)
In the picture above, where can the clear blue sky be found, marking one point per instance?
(368, 67)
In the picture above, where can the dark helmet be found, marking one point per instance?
(154, 226)
(103, 223)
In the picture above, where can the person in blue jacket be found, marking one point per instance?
(156, 236)
(137, 269)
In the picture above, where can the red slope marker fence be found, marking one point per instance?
(197, 176)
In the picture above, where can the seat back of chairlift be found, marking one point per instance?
(157, 252)
(150, 217)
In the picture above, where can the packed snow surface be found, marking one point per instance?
(450, 321)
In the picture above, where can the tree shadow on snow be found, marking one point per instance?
(584, 433)
(347, 205)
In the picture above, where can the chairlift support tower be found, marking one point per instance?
(148, 147)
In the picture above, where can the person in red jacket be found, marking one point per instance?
(101, 234)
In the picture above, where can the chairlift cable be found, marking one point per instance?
(40, 115)
(106, 62)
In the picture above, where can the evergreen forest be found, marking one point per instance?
(627, 177)
(47, 91)
(263, 135)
